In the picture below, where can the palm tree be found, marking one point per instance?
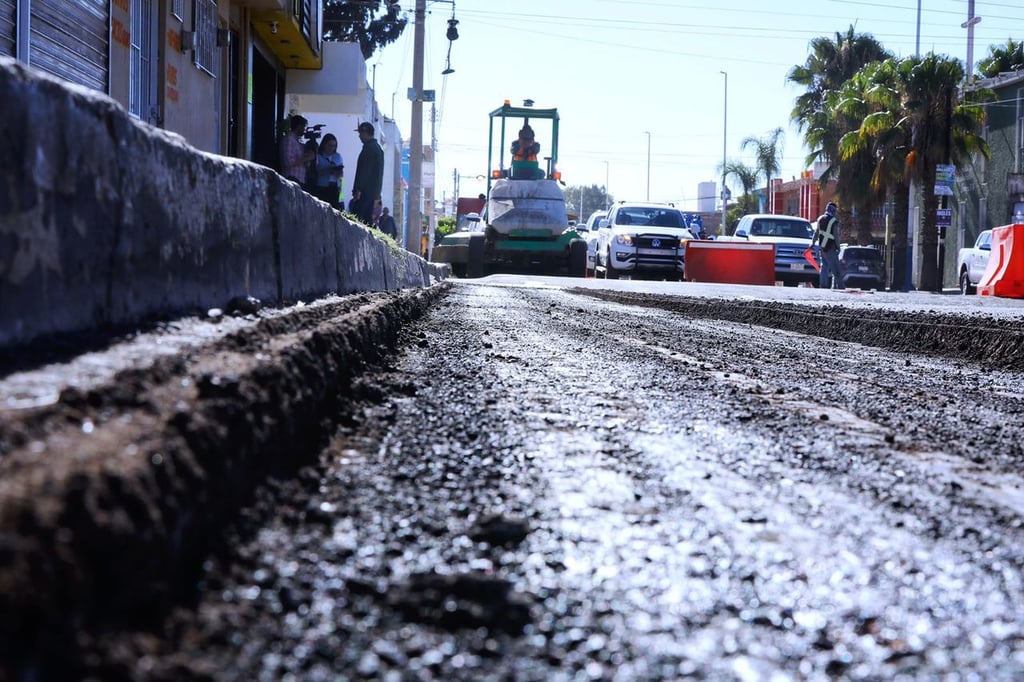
(747, 177)
(886, 134)
(766, 153)
(944, 129)
(1002, 58)
(829, 65)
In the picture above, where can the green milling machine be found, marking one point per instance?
(525, 225)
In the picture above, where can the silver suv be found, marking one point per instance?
(642, 239)
(791, 236)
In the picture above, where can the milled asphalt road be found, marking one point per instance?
(522, 480)
(547, 485)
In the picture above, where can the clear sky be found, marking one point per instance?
(617, 69)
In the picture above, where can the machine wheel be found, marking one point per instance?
(475, 259)
(577, 258)
(966, 288)
(609, 271)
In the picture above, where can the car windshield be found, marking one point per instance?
(768, 227)
(645, 216)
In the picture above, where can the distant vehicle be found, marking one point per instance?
(861, 267)
(791, 235)
(589, 233)
(972, 261)
(642, 239)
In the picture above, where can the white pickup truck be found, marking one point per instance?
(972, 261)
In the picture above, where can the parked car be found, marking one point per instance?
(861, 267)
(642, 239)
(588, 231)
(791, 235)
(972, 261)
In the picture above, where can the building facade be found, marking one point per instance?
(991, 191)
(213, 71)
(223, 74)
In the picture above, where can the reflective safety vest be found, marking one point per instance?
(527, 154)
(826, 232)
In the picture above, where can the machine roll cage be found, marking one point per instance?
(505, 112)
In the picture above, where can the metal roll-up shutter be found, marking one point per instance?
(70, 40)
(8, 27)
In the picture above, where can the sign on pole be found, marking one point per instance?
(945, 178)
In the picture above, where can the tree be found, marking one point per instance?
(944, 129)
(445, 226)
(766, 153)
(1002, 58)
(371, 23)
(830, 64)
(855, 190)
(582, 200)
(747, 177)
(885, 134)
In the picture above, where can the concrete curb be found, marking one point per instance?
(106, 221)
(112, 498)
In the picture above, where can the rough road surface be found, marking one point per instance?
(540, 484)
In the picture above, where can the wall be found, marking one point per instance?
(108, 222)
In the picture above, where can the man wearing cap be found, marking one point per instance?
(369, 177)
(826, 234)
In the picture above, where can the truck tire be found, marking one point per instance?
(966, 288)
(609, 271)
(475, 258)
(577, 258)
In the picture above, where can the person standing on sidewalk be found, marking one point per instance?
(366, 185)
(826, 236)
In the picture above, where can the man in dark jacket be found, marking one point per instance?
(369, 177)
(826, 235)
(386, 224)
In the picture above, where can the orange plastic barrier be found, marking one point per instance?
(729, 262)
(1004, 275)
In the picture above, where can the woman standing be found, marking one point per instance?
(329, 171)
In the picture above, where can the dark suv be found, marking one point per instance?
(861, 267)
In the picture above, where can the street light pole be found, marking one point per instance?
(414, 231)
(648, 134)
(725, 137)
(607, 196)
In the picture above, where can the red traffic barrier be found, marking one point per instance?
(729, 262)
(1004, 275)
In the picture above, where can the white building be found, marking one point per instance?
(707, 197)
(339, 97)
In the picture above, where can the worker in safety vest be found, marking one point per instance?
(525, 148)
(826, 236)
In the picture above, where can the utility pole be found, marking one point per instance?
(969, 25)
(725, 138)
(428, 188)
(908, 280)
(414, 229)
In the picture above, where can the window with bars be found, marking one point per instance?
(140, 69)
(205, 17)
(178, 9)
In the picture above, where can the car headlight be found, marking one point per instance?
(624, 239)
